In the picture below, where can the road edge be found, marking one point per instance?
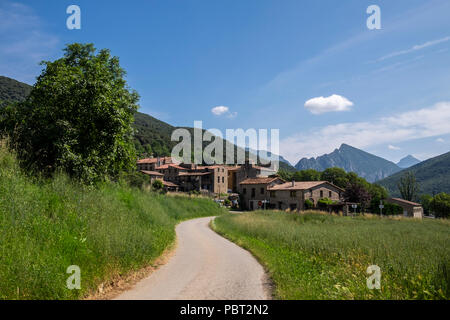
(267, 281)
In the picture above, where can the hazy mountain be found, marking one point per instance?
(408, 161)
(351, 159)
(432, 175)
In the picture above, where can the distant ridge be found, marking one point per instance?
(408, 161)
(432, 175)
(352, 159)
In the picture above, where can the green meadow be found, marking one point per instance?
(321, 256)
(111, 230)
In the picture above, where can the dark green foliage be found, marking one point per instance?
(78, 117)
(307, 175)
(391, 209)
(425, 201)
(336, 176)
(440, 205)
(136, 179)
(309, 204)
(432, 176)
(407, 186)
(157, 185)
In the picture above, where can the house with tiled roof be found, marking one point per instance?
(254, 191)
(410, 208)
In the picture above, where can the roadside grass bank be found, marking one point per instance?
(48, 225)
(321, 256)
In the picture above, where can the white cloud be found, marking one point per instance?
(440, 140)
(24, 42)
(391, 147)
(414, 48)
(427, 122)
(333, 103)
(223, 110)
(219, 110)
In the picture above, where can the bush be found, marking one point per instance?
(309, 204)
(157, 185)
(392, 209)
(440, 205)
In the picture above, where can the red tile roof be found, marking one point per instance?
(170, 165)
(154, 160)
(169, 184)
(300, 185)
(406, 202)
(260, 180)
(152, 173)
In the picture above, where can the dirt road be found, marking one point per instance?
(204, 266)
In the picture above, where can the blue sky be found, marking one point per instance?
(268, 62)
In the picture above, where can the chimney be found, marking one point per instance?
(293, 183)
(158, 162)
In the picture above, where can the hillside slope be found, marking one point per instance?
(13, 90)
(152, 136)
(351, 159)
(433, 176)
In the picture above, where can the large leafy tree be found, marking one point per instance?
(78, 117)
(337, 176)
(408, 186)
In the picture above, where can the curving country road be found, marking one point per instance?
(204, 266)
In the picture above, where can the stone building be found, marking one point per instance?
(410, 209)
(254, 193)
(237, 174)
(292, 195)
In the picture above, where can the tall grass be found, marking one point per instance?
(317, 256)
(48, 225)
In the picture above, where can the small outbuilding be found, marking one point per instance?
(410, 209)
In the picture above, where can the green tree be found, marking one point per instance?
(285, 175)
(356, 191)
(377, 193)
(408, 186)
(157, 185)
(78, 117)
(307, 175)
(440, 205)
(336, 176)
(425, 201)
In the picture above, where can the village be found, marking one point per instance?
(255, 187)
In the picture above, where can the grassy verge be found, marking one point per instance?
(317, 256)
(46, 226)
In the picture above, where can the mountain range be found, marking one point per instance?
(432, 176)
(351, 159)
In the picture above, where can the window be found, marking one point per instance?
(293, 194)
(223, 170)
(321, 193)
(262, 190)
(244, 190)
(218, 179)
(253, 192)
(223, 179)
(329, 194)
(272, 194)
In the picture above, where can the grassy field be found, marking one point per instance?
(319, 256)
(46, 226)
